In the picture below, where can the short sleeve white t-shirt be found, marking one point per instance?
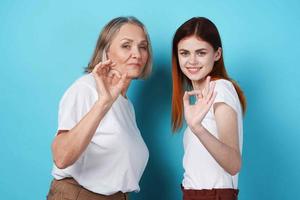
(201, 170)
(116, 157)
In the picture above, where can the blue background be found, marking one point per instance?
(44, 46)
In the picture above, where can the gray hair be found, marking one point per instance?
(106, 36)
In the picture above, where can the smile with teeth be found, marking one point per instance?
(193, 70)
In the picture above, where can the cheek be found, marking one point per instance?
(182, 61)
(145, 57)
(116, 57)
(209, 61)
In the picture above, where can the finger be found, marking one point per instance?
(96, 68)
(113, 64)
(122, 81)
(100, 64)
(107, 62)
(197, 93)
(103, 64)
(212, 99)
(199, 96)
(206, 87)
(109, 79)
(186, 99)
(114, 72)
(194, 92)
(98, 79)
(212, 85)
(107, 69)
(115, 80)
(103, 70)
(211, 92)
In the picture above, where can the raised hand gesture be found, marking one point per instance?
(109, 81)
(195, 113)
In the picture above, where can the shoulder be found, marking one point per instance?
(84, 83)
(83, 87)
(225, 87)
(227, 94)
(86, 80)
(223, 84)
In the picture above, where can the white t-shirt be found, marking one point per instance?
(116, 157)
(201, 170)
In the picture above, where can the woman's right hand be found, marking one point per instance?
(194, 114)
(110, 82)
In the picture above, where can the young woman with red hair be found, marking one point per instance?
(214, 136)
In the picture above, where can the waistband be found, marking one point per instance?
(73, 185)
(211, 192)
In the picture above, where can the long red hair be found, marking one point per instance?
(206, 30)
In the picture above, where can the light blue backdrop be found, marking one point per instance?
(44, 46)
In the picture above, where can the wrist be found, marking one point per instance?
(103, 105)
(197, 129)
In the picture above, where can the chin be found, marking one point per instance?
(193, 77)
(196, 77)
(134, 74)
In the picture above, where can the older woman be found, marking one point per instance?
(98, 151)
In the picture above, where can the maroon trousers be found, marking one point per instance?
(213, 194)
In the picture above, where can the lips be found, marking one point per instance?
(134, 64)
(193, 70)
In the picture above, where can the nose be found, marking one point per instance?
(136, 52)
(193, 60)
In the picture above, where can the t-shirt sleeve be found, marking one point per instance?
(75, 103)
(226, 93)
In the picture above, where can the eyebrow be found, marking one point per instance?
(202, 49)
(130, 40)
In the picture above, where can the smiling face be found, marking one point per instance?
(196, 58)
(129, 50)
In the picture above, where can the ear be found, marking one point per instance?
(218, 54)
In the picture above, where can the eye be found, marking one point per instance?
(201, 53)
(143, 47)
(126, 46)
(184, 53)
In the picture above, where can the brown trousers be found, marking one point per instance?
(213, 194)
(69, 189)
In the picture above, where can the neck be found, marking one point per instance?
(198, 85)
(125, 87)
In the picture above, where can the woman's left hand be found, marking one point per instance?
(194, 114)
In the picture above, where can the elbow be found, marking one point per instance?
(60, 158)
(61, 163)
(236, 168)
(234, 171)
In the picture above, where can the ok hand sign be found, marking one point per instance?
(109, 81)
(194, 114)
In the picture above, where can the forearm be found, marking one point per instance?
(67, 147)
(227, 157)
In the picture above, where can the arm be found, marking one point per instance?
(225, 150)
(69, 145)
